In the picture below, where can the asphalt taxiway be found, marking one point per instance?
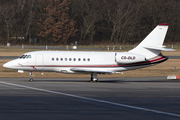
(148, 98)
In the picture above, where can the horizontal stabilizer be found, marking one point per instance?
(159, 48)
(90, 70)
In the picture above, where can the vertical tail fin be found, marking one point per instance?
(152, 45)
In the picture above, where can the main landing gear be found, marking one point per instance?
(31, 73)
(94, 77)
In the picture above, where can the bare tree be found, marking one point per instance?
(113, 21)
(7, 11)
(120, 15)
(58, 24)
(89, 12)
(29, 18)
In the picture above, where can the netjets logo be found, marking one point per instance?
(20, 64)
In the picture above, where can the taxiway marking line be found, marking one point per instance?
(92, 99)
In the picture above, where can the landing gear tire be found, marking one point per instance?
(94, 78)
(31, 80)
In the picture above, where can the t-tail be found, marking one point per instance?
(152, 45)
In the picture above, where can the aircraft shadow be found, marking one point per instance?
(120, 80)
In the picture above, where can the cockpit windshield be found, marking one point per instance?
(29, 56)
(21, 56)
(25, 57)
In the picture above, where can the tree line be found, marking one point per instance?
(86, 21)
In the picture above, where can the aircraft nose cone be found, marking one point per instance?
(6, 65)
(11, 64)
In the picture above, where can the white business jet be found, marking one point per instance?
(146, 54)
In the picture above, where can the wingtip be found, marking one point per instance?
(165, 24)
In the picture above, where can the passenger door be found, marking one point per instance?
(39, 62)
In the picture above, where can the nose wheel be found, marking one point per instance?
(31, 73)
(94, 77)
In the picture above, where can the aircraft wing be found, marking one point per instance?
(90, 70)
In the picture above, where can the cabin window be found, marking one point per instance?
(61, 59)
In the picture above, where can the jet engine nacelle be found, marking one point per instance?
(126, 58)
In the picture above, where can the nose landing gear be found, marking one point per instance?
(31, 73)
